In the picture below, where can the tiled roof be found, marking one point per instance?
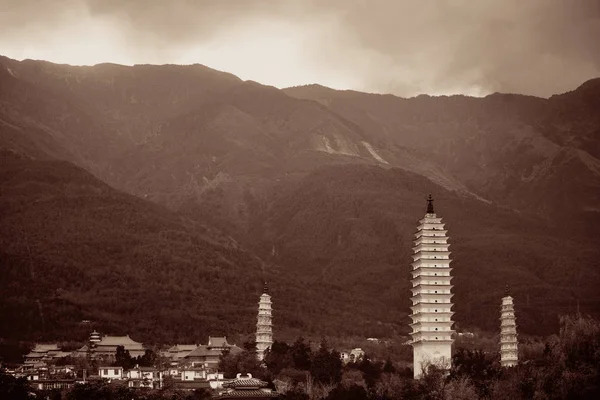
(82, 349)
(183, 347)
(61, 354)
(203, 351)
(197, 384)
(245, 383)
(217, 342)
(43, 348)
(125, 341)
(235, 350)
(236, 394)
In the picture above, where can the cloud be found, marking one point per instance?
(405, 47)
(535, 46)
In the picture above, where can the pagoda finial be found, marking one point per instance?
(506, 290)
(265, 288)
(430, 204)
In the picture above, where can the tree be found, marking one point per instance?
(326, 366)
(244, 362)
(479, 368)
(123, 358)
(392, 387)
(433, 382)
(301, 354)
(295, 394)
(371, 371)
(199, 394)
(147, 360)
(13, 388)
(278, 357)
(354, 392)
(353, 377)
(388, 367)
(462, 389)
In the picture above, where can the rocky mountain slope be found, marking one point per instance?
(531, 154)
(325, 187)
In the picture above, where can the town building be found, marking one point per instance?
(42, 354)
(144, 377)
(191, 378)
(179, 351)
(52, 384)
(106, 347)
(264, 324)
(353, 355)
(509, 351)
(246, 387)
(208, 356)
(432, 334)
(111, 373)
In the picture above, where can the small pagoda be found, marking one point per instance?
(246, 387)
(94, 339)
(264, 324)
(509, 352)
(432, 333)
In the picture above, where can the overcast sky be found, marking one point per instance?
(404, 47)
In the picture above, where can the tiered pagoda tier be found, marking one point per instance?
(432, 334)
(264, 325)
(509, 352)
(95, 338)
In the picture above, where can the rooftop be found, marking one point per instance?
(119, 341)
(203, 351)
(246, 387)
(218, 342)
(245, 383)
(183, 347)
(253, 394)
(44, 348)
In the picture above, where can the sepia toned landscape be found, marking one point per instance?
(148, 212)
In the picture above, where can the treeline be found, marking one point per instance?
(568, 367)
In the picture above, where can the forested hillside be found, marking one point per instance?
(154, 200)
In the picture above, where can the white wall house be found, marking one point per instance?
(110, 373)
(215, 380)
(192, 374)
(145, 377)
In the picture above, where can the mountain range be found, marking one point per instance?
(154, 200)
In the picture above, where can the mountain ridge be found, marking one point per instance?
(327, 195)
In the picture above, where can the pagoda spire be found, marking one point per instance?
(509, 353)
(430, 205)
(432, 333)
(264, 324)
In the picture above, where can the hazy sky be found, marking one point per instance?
(405, 47)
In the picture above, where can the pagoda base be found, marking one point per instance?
(426, 353)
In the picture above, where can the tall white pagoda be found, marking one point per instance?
(264, 325)
(431, 295)
(509, 352)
